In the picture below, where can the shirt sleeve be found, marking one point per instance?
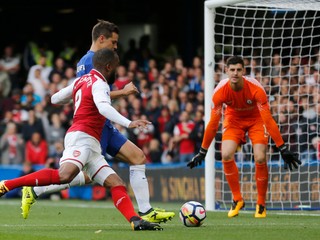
(63, 96)
(270, 123)
(213, 124)
(101, 98)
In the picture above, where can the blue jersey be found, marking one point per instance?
(85, 64)
(111, 139)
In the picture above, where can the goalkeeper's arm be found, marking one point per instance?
(209, 134)
(290, 159)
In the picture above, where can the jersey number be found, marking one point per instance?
(78, 98)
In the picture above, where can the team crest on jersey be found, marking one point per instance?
(249, 101)
(76, 153)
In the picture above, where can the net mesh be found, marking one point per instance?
(280, 43)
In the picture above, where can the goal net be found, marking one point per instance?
(280, 43)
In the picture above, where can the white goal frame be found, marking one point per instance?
(209, 16)
(209, 68)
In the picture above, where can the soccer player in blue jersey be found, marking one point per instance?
(105, 35)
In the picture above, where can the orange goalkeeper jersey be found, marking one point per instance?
(249, 103)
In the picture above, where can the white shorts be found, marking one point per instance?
(84, 151)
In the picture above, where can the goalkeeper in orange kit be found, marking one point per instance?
(247, 111)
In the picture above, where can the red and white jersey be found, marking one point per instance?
(92, 104)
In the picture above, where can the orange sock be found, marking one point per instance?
(232, 175)
(262, 182)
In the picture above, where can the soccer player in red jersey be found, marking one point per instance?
(105, 34)
(92, 105)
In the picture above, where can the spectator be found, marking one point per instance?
(155, 151)
(70, 74)
(145, 95)
(10, 64)
(153, 107)
(153, 72)
(164, 117)
(11, 145)
(178, 66)
(316, 145)
(44, 66)
(169, 151)
(59, 67)
(55, 153)
(276, 67)
(145, 135)
(29, 98)
(183, 99)
(5, 84)
(181, 83)
(8, 103)
(182, 131)
(168, 71)
(36, 149)
(122, 78)
(55, 131)
(195, 82)
(197, 132)
(174, 113)
(33, 124)
(19, 115)
(40, 84)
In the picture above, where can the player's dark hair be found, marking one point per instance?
(234, 60)
(104, 28)
(103, 57)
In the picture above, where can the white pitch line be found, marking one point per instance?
(276, 212)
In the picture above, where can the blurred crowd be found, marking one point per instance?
(171, 97)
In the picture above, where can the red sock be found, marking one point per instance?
(123, 202)
(262, 182)
(232, 175)
(42, 177)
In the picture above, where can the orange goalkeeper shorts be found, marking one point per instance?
(236, 129)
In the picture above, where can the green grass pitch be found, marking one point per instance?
(74, 219)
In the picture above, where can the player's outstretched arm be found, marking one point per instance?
(128, 89)
(63, 96)
(141, 124)
(290, 158)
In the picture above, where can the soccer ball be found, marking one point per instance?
(192, 214)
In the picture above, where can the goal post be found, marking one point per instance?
(280, 43)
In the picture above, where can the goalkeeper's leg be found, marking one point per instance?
(262, 186)
(232, 176)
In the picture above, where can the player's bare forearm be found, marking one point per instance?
(128, 89)
(117, 94)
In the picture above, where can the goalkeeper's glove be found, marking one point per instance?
(197, 159)
(289, 157)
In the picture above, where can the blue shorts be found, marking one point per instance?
(111, 139)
